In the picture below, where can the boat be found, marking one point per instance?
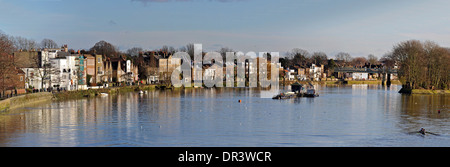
(103, 94)
(141, 92)
(298, 90)
(286, 95)
(310, 93)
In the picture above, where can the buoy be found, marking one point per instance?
(240, 101)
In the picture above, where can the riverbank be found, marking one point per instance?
(95, 92)
(353, 82)
(422, 91)
(25, 100)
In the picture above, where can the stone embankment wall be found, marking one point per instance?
(25, 100)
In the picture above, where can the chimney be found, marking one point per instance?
(65, 48)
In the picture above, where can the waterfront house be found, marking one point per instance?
(166, 67)
(107, 72)
(72, 71)
(33, 64)
(90, 69)
(94, 68)
(99, 68)
(118, 65)
(148, 64)
(81, 71)
(360, 76)
(315, 72)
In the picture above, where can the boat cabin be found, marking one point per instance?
(296, 87)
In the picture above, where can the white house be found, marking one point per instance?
(360, 76)
(72, 70)
(64, 72)
(33, 78)
(315, 72)
(58, 73)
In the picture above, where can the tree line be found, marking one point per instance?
(422, 64)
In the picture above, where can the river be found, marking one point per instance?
(352, 115)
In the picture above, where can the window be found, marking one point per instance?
(99, 60)
(21, 78)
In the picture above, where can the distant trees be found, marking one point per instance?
(372, 59)
(21, 43)
(104, 48)
(134, 51)
(359, 61)
(422, 65)
(48, 43)
(345, 57)
(297, 56)
(319, 58)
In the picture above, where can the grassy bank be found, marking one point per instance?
(423, 91)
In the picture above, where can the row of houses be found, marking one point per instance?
(60, 69)
(157, 67)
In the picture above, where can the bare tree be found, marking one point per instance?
(298, 56)
(190, 50)
(48, 43)
(344, 56)
(171, 50)
(359, 61)
(223, 51)
(372, 59)
(134, 51)
(21, 43)
(320, 58)
(6, 62)
(422, 65)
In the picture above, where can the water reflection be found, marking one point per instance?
(357, 115)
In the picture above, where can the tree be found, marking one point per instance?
(298, 56)
(359, 61)
(372, 59)
(223, 51)
(422, 65)
(190, 50)
(134, 51)
(344, 57)
(21, 43)
(387, 61)
(48, 43)
(6, 62)
(320, 58)
(331, 66)
(104, 48)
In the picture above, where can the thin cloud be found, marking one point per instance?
(160, 1)
(112, 23)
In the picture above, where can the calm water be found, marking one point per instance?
(358, 115)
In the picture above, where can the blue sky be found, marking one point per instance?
(359, 27)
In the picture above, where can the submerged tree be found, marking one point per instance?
(422, 65)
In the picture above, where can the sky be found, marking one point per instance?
(358, 27)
